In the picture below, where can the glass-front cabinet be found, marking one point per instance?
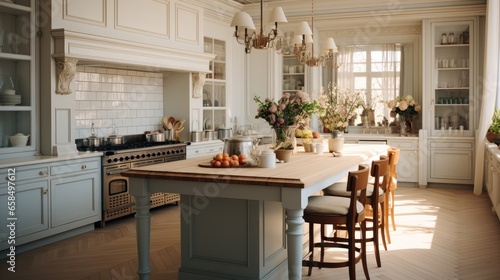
(452, 77)
(293, 74)
(214, 90)
(17, 64)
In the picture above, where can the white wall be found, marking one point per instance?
(132, 100)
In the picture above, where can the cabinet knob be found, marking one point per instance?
(42, 173)
(45, 191)
(84, 166)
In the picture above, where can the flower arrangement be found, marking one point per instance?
(405, 106)
(290, 110)
(337, 107)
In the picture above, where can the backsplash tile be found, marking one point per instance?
(131, 100)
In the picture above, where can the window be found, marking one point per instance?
(375, 71)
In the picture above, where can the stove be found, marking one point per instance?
(134, 152)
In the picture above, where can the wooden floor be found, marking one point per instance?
(442, 234)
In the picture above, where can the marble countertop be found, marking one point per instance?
(41, 159)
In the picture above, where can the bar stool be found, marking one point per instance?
(345, 211)
(375, 199)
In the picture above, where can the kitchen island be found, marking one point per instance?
(233, 220)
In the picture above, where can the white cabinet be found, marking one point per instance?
(407, 168)
(492, 175)
(17, 72)
(214, 90)
(293, 74)
(50, 198)
(204, 149)
(450, 75)
(451, 161)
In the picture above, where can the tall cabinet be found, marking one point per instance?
(214, 90)
(17, 76)
(451, 68)
(293, 74)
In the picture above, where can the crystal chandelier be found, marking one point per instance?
(245, 34)
(303, 46)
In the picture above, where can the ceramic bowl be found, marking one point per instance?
(9, 92)
(19, 140)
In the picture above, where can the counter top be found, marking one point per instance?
(304, 169)
(40, 159)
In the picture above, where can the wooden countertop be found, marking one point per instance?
(303, 169)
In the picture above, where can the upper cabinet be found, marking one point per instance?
(451, 71)
(17, 77)
(293, 74)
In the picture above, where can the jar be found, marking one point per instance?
(451, 38)
(444, 39)
(267, 158)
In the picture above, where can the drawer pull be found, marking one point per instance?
(42, 173)
(45, 191)
(84, 166)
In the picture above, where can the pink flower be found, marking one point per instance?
(281, 121)
(282, 106)
(273, 109)
(286, 95)
(391, 104)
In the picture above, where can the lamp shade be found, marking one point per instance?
(243, 20)
(330, 45)
(303, 29)
(309, 39)
(296, 40)
(278, 15)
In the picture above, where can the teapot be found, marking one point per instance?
(238, 145)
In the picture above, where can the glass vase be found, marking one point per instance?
(336, 143)
(284, 137)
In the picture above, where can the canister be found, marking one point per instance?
(196, 136)
(267, 158)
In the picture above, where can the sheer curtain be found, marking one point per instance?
(373, 68)
(490, 88)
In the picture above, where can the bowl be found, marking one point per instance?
(19, 140)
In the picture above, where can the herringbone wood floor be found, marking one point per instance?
(441, 234)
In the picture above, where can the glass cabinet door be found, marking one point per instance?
(214, 90)
(452, 80)
(17, 62)
(293, 74)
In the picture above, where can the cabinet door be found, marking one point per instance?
(450, 166)
(75, 198)
(31, 210)
(293, 74)
(408, 166)
(214, 90)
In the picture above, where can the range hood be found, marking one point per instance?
(72, 47)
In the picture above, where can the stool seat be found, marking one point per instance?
(331, 206)
(339, 189)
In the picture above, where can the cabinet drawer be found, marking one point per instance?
(403, 144)
(26, 172)
(455, 145)
(213, 149)
(75, 166)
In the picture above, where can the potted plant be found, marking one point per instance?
(285, 114)
(494, 129)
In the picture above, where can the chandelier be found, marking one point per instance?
(245, 34)
(303, 46)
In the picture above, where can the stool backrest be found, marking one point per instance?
(393, 154)
(357, 181)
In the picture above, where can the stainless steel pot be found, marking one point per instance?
(238, 145)
(157, 137)
(94, 141)
(114, 140)
(209, 135)
(223, 133)
(196, 136)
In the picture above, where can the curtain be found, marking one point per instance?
(345, 78)
(490, 88)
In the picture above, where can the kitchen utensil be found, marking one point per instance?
(178, 133)
(238, 145)
(171, 120)
(19, 140)
(157, 137)
(114, 139)
(164, 122)
(196, 136)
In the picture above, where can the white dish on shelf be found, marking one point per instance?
(8, 92)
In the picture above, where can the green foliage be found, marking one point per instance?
(495, 122)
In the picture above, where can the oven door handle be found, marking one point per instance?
(117, 171)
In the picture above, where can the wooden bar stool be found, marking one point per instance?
(343, 211)
(375, 200)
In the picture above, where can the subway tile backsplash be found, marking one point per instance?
(131, 100)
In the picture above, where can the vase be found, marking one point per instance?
(283, 154)
(336, 143)
(403, 128)
(284, 137)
